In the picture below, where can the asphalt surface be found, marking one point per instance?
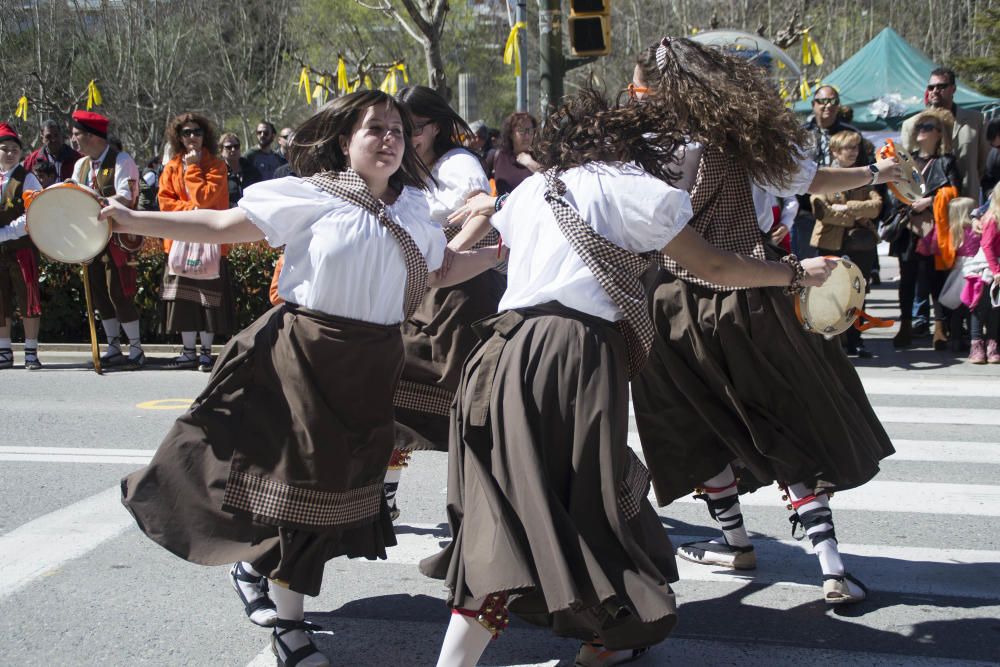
(82, 586)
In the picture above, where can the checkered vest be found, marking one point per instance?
(617, 270)
(724, 214)
(350, 186)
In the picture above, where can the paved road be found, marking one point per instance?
(80, 586)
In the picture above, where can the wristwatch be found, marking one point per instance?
(873, 168)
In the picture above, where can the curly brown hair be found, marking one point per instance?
(722, 100)
(209, 142)
(315, 144)
(588, 128)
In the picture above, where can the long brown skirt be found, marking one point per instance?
(280, 460)
(545, 499)
(198, 305)
(733, 376)
(437, 340)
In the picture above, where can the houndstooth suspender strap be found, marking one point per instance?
(724, 213)
(616, 269)
(350, 186)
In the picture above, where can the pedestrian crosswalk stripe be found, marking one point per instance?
(920, 414)
(922, 385)
(41, 546)
(76, 455)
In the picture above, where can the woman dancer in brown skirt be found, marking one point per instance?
(438, 337)
(547, 504)
(733, 376)
(278, 464)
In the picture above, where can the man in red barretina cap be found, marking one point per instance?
(18, 257)
(113, 174)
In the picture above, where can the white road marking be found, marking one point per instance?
(935, 415)
(917, 385)
(41, 546)
(76, 455)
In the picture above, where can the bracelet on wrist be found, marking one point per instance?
(498, 204)
(796, 285)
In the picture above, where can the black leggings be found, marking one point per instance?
(919, 274)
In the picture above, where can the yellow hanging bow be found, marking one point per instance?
(343, 86)
(304, 84)
(320, 93)
(390, 84)
(94, 98)
(804, 89)
(810, 50)
(22, 109)
(511, 51)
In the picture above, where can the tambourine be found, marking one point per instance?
(63, 223)
(911, 188)
(835, 306)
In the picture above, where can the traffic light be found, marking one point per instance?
(590, 27)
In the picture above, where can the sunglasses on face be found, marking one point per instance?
(634, 90)
(826, 101)
(192, 132)
(937, 86)
(284, 136)
(230, 147)
(928, 127)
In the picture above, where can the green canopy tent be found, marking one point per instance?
(884, 83)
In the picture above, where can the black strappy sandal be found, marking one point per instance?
(293, 658)
(251, 607)
(31, 361)
(6, 358)
(836, 590)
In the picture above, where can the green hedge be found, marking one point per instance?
(64, 311)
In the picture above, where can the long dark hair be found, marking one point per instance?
(315, 146)
(209, 142)
(723, 100)
(507, 129)
(588, 128)
(428, 103)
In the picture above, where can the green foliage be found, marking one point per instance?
(64, 313)
(984, 71)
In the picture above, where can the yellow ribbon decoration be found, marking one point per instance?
(511, 51)
(22, 109)
(390, 84)
(810, 50)
(343, 86)
(804, 90)
(321, 91)
(94, 98)
(304, 83)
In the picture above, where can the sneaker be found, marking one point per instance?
(595, 655)
(252, 590)
(719, 554)
(992, 353)
(843, 590)
(31, 361)
(289, 634)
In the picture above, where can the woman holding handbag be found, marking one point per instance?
(845, 223)
(197, 294)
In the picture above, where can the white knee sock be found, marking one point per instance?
(464, 643)
(112, 329)
(725, 507)
(4, 343)
(291, 607)
(391, 485)
(132, 332)
(206, 340)
(817, 520)
(189, 339)
(248, 568)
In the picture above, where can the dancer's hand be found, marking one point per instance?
(817, 270)
(480, 204)
(120, 215)
(779, 233)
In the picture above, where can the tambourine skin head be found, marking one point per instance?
(63, 223)
(910, 188)
(832, 308)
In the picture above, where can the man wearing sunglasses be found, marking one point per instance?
(264, 158)
(825, 122)
(970, 145)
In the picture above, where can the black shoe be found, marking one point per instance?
(875, 278)
(863, 353)
(113, 357)
(188, 359)
(286, 656)
(205, 363)
(31, 361)
(904, 337)
(136, 362)
(6, 358)
(259, 607)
